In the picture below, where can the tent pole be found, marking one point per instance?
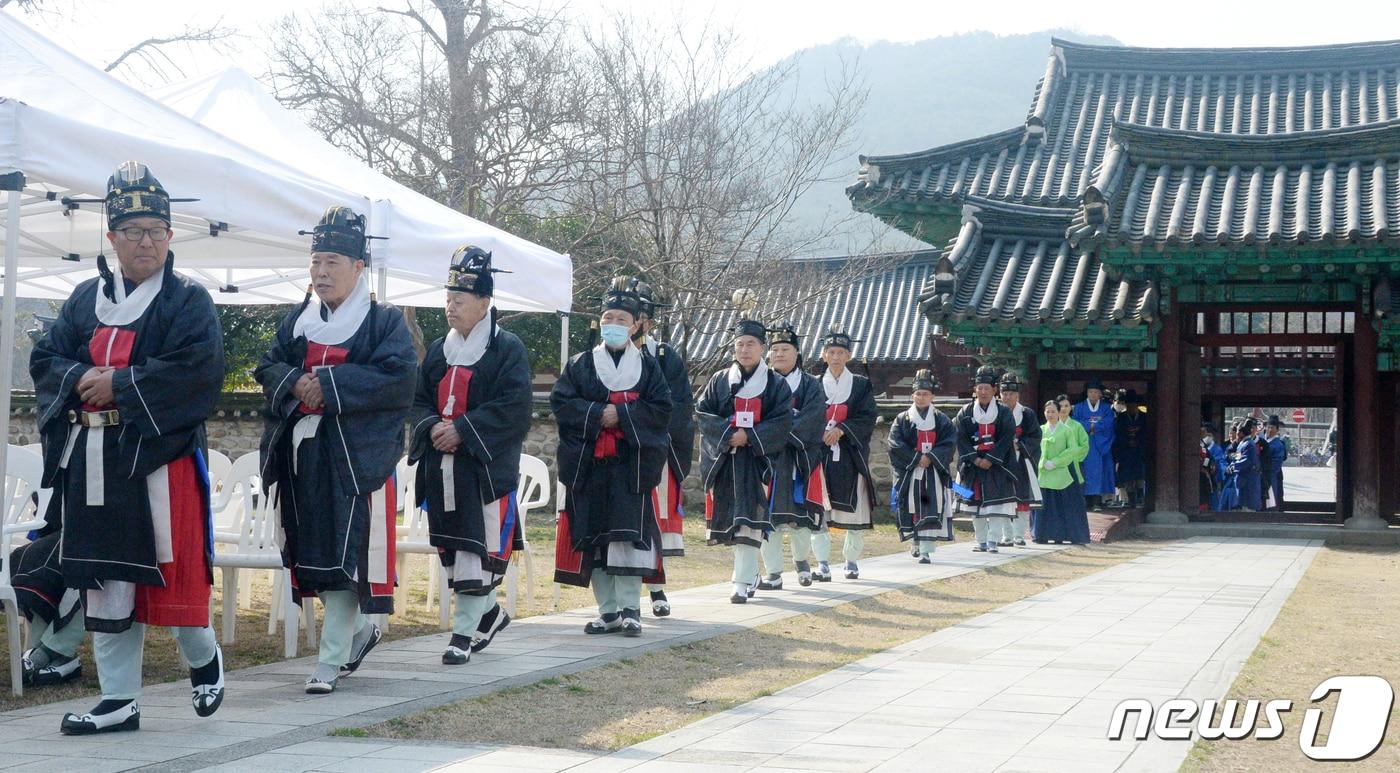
(14, 183)
(563, 341)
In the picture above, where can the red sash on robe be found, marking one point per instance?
(754, 404)
(453, 391)
(835, 414)
(986, 437)
(184, 599)
(606, 445)
(926, 437)
(321, 355)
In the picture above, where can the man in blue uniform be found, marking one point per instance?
(1276, 449)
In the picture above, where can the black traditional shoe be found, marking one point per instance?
(361, 649)
(56, 668)
(823, 572)
(980, 547)
(852, 571)
(741, 594)
(322, 680)
(660, 605)
(608, 623)
(631, 622)
(459, 650)
(109, 716)
(492, 623)
(1020, 543)
(925, 560)
(207, 683)
(771, 582)
(804, 574)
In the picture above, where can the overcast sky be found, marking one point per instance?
(98, 30)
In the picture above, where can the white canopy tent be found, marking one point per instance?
(422, 233)
(65, 126)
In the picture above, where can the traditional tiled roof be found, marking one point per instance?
(1088, 89)
(1159, 188)
(880, 310)
(1011, 264)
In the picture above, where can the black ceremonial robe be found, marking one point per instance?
(337, 513)
(169, 371)
(847, 466)
(488, 403)
(737, 484)
(608, 521)
(799, 487)
(921, 502)
(992, 491)
(1027, 458)
(670, 492)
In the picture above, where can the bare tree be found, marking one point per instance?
(470, 102)
(699, 163)
(153, 52)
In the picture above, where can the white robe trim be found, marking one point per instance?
(986, 415)
(129, 306)
(756, 384)
(339, 325)
(838, 390)
(465, 351)
(618, 376)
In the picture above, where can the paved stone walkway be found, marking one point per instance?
(266, 709)
(1027, 687)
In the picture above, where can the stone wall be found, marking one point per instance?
(236, 427)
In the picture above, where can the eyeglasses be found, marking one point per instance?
(137, 234)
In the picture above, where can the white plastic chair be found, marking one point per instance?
(558, 513)
(219, 467)
(23, 471)
(44, 493)
(531, 493)
(413, 539)
(253, 540)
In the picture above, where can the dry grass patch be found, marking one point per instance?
(624, 703)
(1342, 619)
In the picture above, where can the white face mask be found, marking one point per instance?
(615, 336)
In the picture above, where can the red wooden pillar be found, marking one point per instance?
(1361, 436)
(1167, 471)
(1030, 389)
(1189, 426)
(1389, 429)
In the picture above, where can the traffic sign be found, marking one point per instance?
(1299, 416)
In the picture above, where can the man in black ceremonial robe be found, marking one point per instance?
(124, 380)
(339, 383)
(669, 494)
(745, 416)
(471, 415)
(613, 408)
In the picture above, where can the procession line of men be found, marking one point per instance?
(129, 372)
(1246, 472)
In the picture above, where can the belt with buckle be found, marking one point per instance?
(95, 418)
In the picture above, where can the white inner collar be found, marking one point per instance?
(838, 390)
(339, 325)
(618, 376)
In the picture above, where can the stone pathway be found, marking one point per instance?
(266, 709)
(1027, 687)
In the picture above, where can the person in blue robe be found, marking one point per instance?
(1097, 417)
(1213, 465)
(1246, 466)
(1276, 449)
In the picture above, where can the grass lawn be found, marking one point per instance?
(624, 703)
(702, 565)
(1342, 619)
